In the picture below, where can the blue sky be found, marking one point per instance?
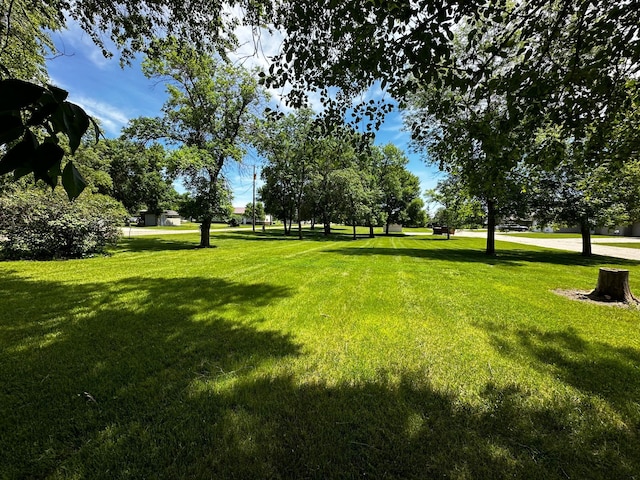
(115, 95)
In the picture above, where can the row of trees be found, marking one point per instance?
(212, 113)
(336, 176)
(493, 85)
(565, 155)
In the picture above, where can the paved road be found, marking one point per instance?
(570, 244)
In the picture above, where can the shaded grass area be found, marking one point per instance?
(191, 226)
(268, 357)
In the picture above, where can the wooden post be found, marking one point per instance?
(613, 285)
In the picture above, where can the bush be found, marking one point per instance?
(36, 224)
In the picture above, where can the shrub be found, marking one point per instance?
(36, 224)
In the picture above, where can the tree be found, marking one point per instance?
(458, 206)
(138, 174)
(259, 213)
(568, 64)
(415, 214)
(398, 186)
(207, 116)
(352, 194)
(131, 26)
(369, 163)
(589, 197)
(24, 39)
(332, 151)
(287, 143)
(354, 45)
(470, 132)
(34, 112)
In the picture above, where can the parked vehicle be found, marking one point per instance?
(513, 228)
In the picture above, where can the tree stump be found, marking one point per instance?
(613, 286)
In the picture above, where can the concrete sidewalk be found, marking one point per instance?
(569, 244)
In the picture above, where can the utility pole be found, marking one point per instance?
(254, 199)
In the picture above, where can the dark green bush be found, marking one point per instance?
(36, 224)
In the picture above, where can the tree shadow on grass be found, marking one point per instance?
(278, 428)
(78, 361)
(595, 368)
(151, 378)
(509, 258)
(160, 243)
(271, 235)
(154, 244)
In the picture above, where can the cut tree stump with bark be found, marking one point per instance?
(613, 286)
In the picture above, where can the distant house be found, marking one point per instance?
(623, 230)
(244, 220)
(166, 218)
(239, 212)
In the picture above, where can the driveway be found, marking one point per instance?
(570, 244)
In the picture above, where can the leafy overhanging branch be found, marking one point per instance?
(31, 118)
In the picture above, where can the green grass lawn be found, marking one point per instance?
(624, 245)
(266, 357)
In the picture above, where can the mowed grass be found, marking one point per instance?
(623, 245)
(266, 357)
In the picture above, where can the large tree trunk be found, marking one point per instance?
(371, 235)
(491, 227)
(585, 231)
(299, 228)
(205, 233)
(613, 285)
(354, 229)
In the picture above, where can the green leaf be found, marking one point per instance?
(20, 156)
(17, 94)
(59, 94)
(47, 156)
(96, 129)
(76, 123)
(11, 127)
(72, 181)
(47, 106)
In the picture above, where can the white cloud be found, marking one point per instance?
(75, 41)
(112, 119)
(55, 81)
(257, 47)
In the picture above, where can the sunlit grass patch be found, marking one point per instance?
(622, 244)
